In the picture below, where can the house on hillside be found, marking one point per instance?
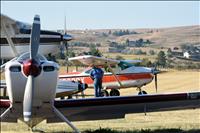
(132, 44)
(114, 50)
(177, 52)
(192, 54)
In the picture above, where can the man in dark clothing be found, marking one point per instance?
(97, 74)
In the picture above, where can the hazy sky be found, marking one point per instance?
(102, 14)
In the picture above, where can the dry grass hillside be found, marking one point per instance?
(161, 37)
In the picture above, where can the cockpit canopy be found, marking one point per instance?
(22, 25)
(124, 65)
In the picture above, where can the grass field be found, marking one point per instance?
(171, 121)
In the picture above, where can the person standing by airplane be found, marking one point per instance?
(97, 74)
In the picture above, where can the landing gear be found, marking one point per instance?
(104, 93)
(114, 92)
(69, 97)
(141, 92)
(61, 116)
(62, 98)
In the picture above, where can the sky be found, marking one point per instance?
(104, 14)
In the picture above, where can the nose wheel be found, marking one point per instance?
(141, 92)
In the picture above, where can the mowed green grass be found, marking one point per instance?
(172, 81)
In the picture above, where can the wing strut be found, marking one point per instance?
(61, 116)
(120, 84)
(10, 41)
(6, 112)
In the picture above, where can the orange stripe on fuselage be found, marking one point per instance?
(121, 77)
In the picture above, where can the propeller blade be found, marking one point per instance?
(35, 37)
(31, 69)
(155, 71)
(65, 29)
(28, 98)
(156, 83)
(65, 36)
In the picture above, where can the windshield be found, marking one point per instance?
(23, 25)
(124, 65)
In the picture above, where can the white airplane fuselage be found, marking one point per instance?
(17, 34)
(16, 81)
(130, 77)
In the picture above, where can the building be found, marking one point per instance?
(192, 55)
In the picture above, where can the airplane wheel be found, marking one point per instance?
(114, 92)
(69, 97)
(142, 93)
(62, 98)
(104, 93)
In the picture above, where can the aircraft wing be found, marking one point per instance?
(118, 107)
(89, 60)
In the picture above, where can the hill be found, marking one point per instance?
(160, 37)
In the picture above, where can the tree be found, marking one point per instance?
(104, 34)
(169, 53)
(109, 32)
(148, 41)
(161, 59)
(127, 42)
(94, 51)
(151, 52)
(51, 57)
(118, 57)
(146, 62)
(70, 54)
(141, 41)
(139, 52)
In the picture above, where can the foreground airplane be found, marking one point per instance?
(123, 74)
(34, 101)
(15, 38)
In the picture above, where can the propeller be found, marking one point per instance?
(156, 83)
(65, 35)
(66, 38)
(31, 69)
(155, 71)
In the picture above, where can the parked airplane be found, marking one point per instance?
(31, 82)
(15, 38)
(123, 74)
(19, 33)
